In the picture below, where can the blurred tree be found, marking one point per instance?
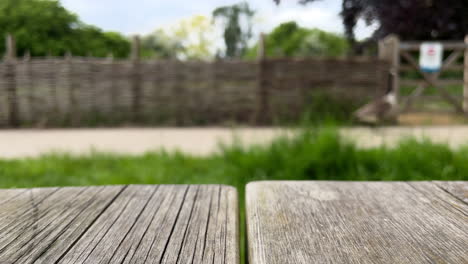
(188, 39)
(196, 36)
(237, 23)
(45, 27)
(410, 19)
(161, 46)
(92, 40)
(290, 40)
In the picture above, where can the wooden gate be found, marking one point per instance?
(403, 59)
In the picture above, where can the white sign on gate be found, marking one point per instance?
(430, 59)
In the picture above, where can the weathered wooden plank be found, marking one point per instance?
(22, 207)
(185, 227)
(104, 237)
(64, 231)
(16, 197)
(458, 189)
(120, 224)
(52, 222)
(355, 222)
(9, 194)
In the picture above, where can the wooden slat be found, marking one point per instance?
(10, 194)
(120, 224)
(355, 222)
(439, 82)
(453, 45)
(458, 189)
(71, 223)
(21, 206)
(52, 222)
(410, 68)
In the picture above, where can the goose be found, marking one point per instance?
(381, 109)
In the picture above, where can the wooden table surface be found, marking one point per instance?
(357, 222)
(120, 224)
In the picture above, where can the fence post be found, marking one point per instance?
(29, 85)
(10, 77)
(112, 91)
(383, 70)
(389, 50)
(74, 114)
(465, 78)
(52, 78)
(382, 50)
(395, 64)
(179, 93)
(262, 116)
(93, 89)
(136, 78)
(10, 47)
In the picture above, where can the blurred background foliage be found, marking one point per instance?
(409, 19)
(291, 40)
(237, 23)
(191, 38)
(44, 27)
(160, 45)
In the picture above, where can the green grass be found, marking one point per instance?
(315, 154)
(319, 108)
(455, 90)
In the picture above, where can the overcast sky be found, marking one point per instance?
(144, 16)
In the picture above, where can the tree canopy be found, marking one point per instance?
(190, 38)
(291, 40)
(196, 35)
(409, 19)
(160, 45)
(45, 27)
(237, 23)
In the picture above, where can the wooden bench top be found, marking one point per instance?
(357, 222)
(120, 224)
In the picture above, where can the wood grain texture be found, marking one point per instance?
(356, 222)
(120, 224)
(458, 189)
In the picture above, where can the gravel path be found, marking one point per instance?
(197, 141)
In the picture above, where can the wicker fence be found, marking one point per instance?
(59, 92)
